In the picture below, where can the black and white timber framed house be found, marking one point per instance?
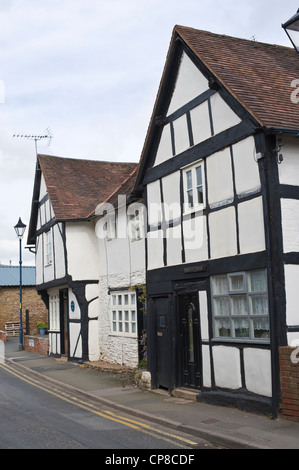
(219, 174)
(69, 259)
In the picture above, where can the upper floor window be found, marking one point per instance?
(136, 223)
(194, 188)
(48, 248)
(240, 305)
(124, 313)
(110, 228)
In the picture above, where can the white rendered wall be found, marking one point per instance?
(291, 285)
(92, 296)
(165, 147)
(201, 127)
(203, 312)
(219, 177)
(289, 168)
(76, 314)
(75, 345)
(251, 226)
(82, 250)
(59, 251)
(246, 167)
(190, 83)
(223, 115)
(258, 379)
(227, 367)
(290, 224)
(154, 211)
(195, 238)
(206, 366)
(39, 260)
(223, 234)
(181, 136)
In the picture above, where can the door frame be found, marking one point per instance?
(181, 289)
(64, 322)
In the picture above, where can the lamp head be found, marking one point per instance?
(20, 229)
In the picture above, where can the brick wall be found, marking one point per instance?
(289, 373)
(37, 344)
(10, 307)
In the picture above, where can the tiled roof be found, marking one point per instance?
(125, 189)
(259, 75)
(10, 276)
(76, 187)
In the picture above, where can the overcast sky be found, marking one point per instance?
(89, 70)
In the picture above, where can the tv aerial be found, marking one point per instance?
(47, 135)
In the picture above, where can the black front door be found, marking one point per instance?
(190, 344)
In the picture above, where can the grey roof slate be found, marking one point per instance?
(10, 276)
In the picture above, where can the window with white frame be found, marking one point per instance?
(135, 222)
(110, 228)
(240, 306)
(54, 316)
(194, 187)
(124, 313)
(48, 248)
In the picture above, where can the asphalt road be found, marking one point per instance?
(35, 414)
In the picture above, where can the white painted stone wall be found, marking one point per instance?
(120, 349)
(122, 265)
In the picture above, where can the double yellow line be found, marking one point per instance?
(80, 403)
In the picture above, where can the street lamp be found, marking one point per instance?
(291, 27)
(20, 230)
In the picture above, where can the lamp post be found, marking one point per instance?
(20, 230)
(291, 27)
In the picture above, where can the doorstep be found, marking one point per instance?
(186, 393)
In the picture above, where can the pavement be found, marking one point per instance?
(222, 426)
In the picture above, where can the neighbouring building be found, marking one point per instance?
(73, 242)
(219, 174)
(33, 308)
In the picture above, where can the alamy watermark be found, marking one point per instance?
(158, 220)
(295, 93)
